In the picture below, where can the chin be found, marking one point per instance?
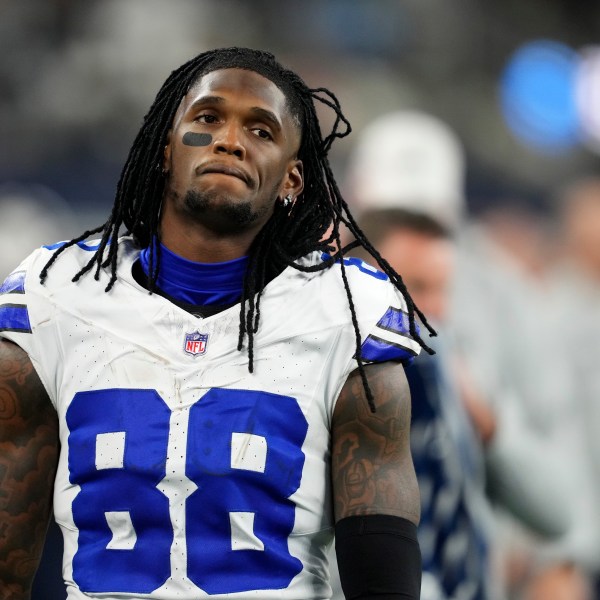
(220, 211)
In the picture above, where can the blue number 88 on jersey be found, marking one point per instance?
(230, 464)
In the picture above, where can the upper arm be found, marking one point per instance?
(372, 468)
(29, 446)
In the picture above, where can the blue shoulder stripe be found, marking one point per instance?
(14, 317)
(361, 265)
(374, 349)
(395, 320)
(14, 283)
(82, 245)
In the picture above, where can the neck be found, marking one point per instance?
(192, 282)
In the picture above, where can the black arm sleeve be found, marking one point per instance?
(378, 558)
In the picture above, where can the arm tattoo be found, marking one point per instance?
(372, 469)
(28, 459)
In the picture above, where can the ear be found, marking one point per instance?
(166, 165)
(293, 183)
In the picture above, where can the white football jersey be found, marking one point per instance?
(181, 474)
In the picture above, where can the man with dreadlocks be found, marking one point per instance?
(236, 395)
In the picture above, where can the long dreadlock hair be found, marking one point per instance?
(311, 223)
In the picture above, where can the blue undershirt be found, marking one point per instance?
(201, 284)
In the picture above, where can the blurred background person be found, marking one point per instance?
(523, 364)
(490, 330)
(455, 532)
(574, 288)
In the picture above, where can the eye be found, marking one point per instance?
(262, 133)
(206, 118)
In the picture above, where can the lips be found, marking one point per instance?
(225, 170)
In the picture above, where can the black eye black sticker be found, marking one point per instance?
(196, 139)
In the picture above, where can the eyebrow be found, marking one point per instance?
(261, 113)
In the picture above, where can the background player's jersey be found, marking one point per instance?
(181, 474)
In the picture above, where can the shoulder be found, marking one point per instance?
(25, 299)
(14, 314)
(370, 288)
(352, 292)
(381, 311)
(68, 261)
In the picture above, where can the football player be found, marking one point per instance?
(208, 398)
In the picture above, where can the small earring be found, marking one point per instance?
(287, 200)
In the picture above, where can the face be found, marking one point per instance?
(426, 264)
(231, 153)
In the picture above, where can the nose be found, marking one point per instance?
(228, 141)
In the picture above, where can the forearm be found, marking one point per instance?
(378, 558)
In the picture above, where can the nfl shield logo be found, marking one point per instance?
(195, 343)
